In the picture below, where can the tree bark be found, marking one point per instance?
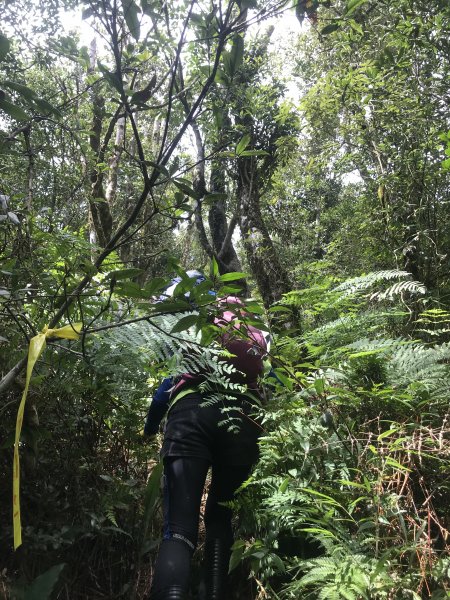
(271, 278)
(114, 161)
(221, 231)
(100, 214)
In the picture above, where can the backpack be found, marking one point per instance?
(247, 343)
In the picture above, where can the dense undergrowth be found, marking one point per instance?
(349, 498)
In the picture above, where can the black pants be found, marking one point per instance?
(195, 440)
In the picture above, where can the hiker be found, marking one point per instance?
(194, 441)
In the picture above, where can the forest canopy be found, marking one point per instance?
(296, 153)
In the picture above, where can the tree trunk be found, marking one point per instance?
(100, 214)
(221, 246)
(114, 162)
(271, 278)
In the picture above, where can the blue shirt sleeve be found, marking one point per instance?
(158, 407)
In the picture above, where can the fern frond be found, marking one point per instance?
(109, 512)
(379, 345)
(359, 284)
(320, 572)
(329, 592)
(347, 594)
(129, 353)
(397, 289)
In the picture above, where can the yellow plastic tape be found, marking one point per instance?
(37, 345)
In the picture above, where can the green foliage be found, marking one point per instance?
(42, 587)
(349, 457)
(170, 344)
(349, 499)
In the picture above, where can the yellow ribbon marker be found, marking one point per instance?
(37, 345)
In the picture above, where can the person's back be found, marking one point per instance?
(198, 436)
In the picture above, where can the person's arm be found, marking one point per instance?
(158, 407)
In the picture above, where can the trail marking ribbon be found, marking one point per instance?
(37, 345)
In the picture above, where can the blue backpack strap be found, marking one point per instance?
(158, 407)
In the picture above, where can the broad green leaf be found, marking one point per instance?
(254, 153)
(254, 308)
(284, 485)
(324, 497)
(185, 187)
(394, 463)
(319, 386)
(183, 287)
(124, 274)
(185, 323)
(30, 96)
(155, 285)
(198, 19)
(279, 308)
(142, 96)
(232, 276)
(129, 289)
(21, 89)
(226, 154)
(352, 5)
(13, 110)
(131, 11)
(330, 28)
(319, 530)
(255, 323)
(230, 290)
(5, 45)
(236, 556)
(244, 142)
(46, 107)
(208, 334)
(172, 306)
(281, 375)
(214, 267)
(151, 8)
(111, 77)
(227, 68)
(387, 433)
(83, 57)
(42, 587)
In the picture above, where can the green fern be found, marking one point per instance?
(365, 282)
(128, 355)
(344, 576)
(398, 289)
(387, 388)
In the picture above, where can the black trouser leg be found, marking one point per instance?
(219, 535)
(184, 482)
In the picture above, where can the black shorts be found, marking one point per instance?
(224, 433)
